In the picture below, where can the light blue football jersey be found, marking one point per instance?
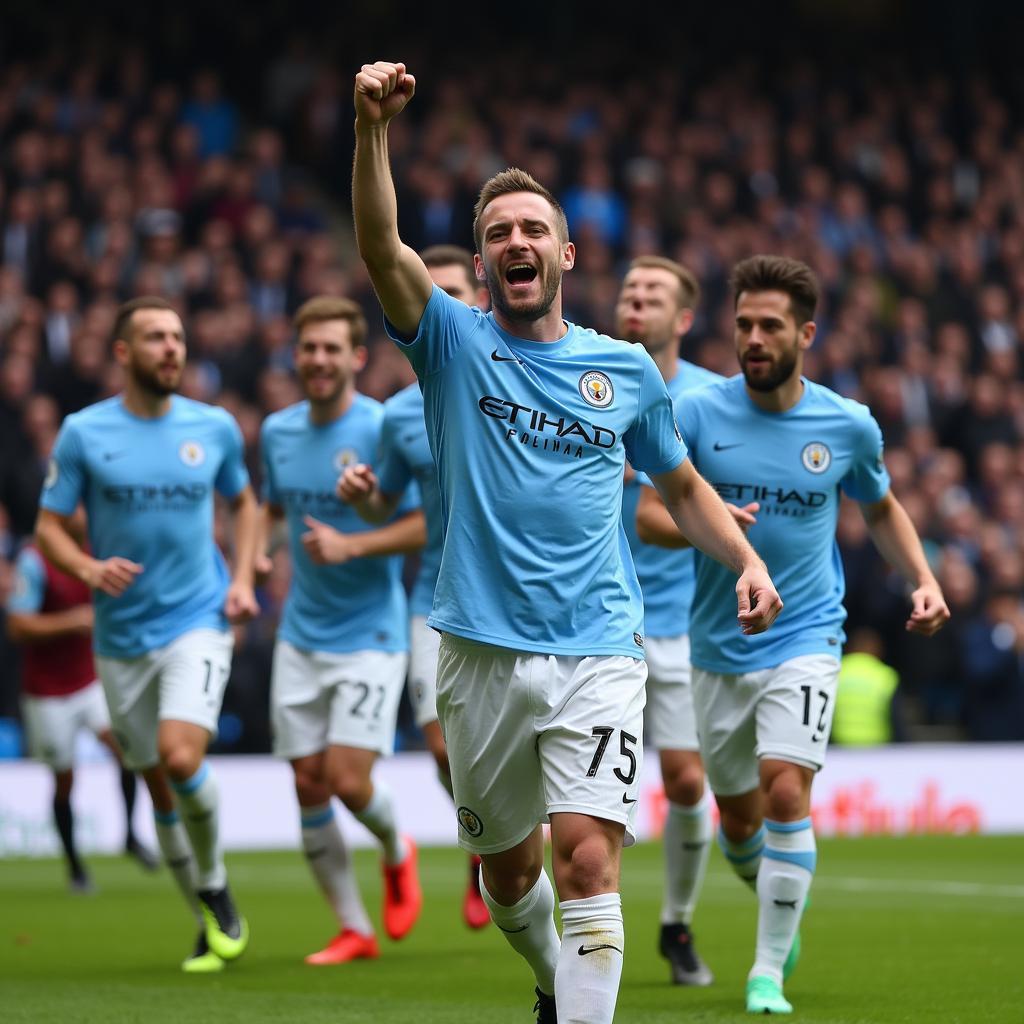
(359, 605)
(530, 441)
(148, 490)
(404, 456)
(29, 591)
(666, 576)
(794, 463)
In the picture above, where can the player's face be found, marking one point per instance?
(769, 344)
(523, 258)
(155, 353)
(649, 310)
(326, 361)
(453, 279)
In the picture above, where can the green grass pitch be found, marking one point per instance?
(914, 929)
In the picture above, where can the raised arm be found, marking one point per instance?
(399, 277)
(701, 515)
(895, 537)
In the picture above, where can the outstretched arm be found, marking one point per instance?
(399, 277)
(701, 515)
(655, 525)
(895, 537)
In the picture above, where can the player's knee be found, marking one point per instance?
(786, 798)
(588, 870)
(311, 790)
(181, 761)
(685, 785)
(352, 788)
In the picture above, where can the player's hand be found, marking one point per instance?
(757, 600)
(262, 567)
(356, 484)
(382, 90)
(113, 576)
(930, 611)
(80, 619)
(326, 545)
(745, 517)
(240, 605)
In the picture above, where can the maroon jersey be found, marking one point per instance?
(58, 667)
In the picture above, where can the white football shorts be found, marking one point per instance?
(423, 645)
(51, 723)
(671, 721)
(530, 735)
(783, 713)
(181, 682)
(319, 699)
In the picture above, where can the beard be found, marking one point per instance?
(149, 380)
(778, 373)
(550, 281)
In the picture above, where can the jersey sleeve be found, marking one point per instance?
(268, 490)
(653, 443)
(232, 477)
(445, 323)
(867, 479)
(393, 469)
(29, 583)
(411, 500)
(64, 485)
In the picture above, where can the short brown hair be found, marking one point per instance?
(451, 256)
(123, 317)
(514, 180)
(778, 274)
(328, 307)
(689, 290)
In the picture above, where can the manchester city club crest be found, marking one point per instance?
(192, 453)
(596, 389)
(816, 457)
(345, 457)
(470, 821)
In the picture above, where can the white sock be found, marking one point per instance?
(177, 851)
(745, 857)
(590, 960)
(687, 841)
(783, 882)
(529, 928)
(328, 859)
(379, 817)
(197, 798)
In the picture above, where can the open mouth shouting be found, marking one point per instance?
(520, 275)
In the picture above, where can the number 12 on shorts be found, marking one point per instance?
(822, 724)
(603, 734)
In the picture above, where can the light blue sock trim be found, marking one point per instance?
(741, 853)
(165, 817)
(189, 786)
(318, 817)
(788, 826)
(806, 859)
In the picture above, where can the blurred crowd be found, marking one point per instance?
(904, 192)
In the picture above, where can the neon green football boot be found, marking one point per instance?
(764, 995)
(227, 932)
(203, 960)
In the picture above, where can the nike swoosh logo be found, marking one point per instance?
(513, 931)
(785, 903)
(409, 438)
(504, 359)
(626, 800)
(109, 456)
(725, 447)
(584, 950)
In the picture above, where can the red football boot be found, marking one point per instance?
(345, 946)
(403, 897)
